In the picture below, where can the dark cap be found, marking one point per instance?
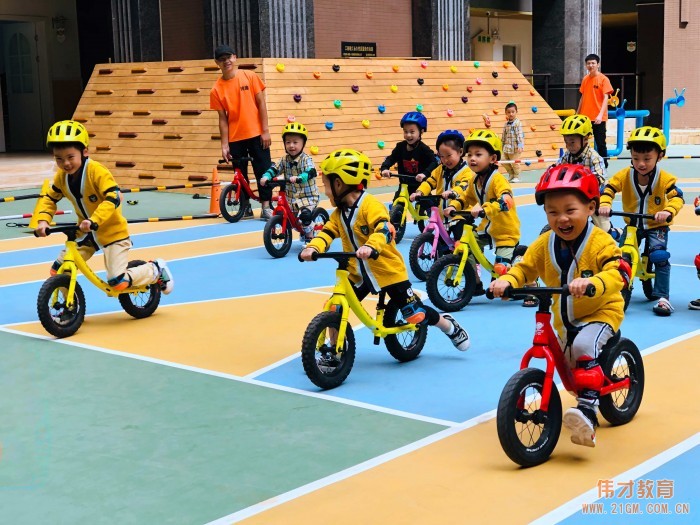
(223, 50)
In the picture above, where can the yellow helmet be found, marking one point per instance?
(297, 128)
(487, 138)
(67, 131)
(576, 125)
(648, 134)
(353, 167)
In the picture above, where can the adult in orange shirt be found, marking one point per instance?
(239, 98)
(595, 90)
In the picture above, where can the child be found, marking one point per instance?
(362, 223)
(647, 189)
(577, 130)
(577, 253)
(411, 156)
(298, 168)
(490, 192)
(695, 304)
(513, 141)
(92, 190)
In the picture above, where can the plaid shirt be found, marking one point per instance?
(300, 194)
(512, 137)
(589, 158)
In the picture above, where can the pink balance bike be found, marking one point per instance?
(235, 197)
(433, 243)
(277, 234)
(529, 414)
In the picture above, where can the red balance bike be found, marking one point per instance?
(277, 234)
(235, 197)
(529, 414)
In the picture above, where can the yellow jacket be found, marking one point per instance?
(367, 223)
(661, 195)
(496, 198)
(597, 257)
(100, 202)
(436, 183)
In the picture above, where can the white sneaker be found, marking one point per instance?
(515, 179)
(580, 425)
(459, 336)
(663, 307)
(266, 214)
(165, 278)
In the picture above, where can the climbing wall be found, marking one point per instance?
(151, 124)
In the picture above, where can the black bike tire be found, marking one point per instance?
(126, 300)
(317, 325)
(44, 312)
(267, 237)
(433, 281)
(620, 414)
(397, 350)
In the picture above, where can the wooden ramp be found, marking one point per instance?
(150, 122)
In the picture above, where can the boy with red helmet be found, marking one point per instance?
(695, 305)
(576, 253)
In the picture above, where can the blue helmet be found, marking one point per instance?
(415, 117)
(449, 134)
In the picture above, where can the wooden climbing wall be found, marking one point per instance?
(150, 122)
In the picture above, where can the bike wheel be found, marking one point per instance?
(322, 364)
(140, 304)
(444, 292)
(648, 285)
(319, 217)
(231, 209)
(421, 256)
(277, 240)
(405, 346)
(56, 318)
(527, 434)
(398, 220)
(621, 361)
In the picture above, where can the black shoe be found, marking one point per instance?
(479, 290)
(248, 213)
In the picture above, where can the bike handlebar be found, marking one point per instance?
(467, 215)
(633, 215)
(433, 200)
(541, 291)
(338, 256)
(398, 176)
(67, 228)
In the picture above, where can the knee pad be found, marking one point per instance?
(414, 313)
(305, 216)
(659, 257)
(589, 375)
(56, 265)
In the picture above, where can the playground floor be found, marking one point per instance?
(202, 413)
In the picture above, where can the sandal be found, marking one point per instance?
(531, 301)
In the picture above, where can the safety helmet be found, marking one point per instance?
(568, 177)
(297, 129)
(415, 117)
(449, 134)
(576, 125)
(650, 135)
(351, 166)
(487, 138)
(66, 131)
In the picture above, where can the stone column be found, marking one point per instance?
(136, 30)
(446, 37)
(563, 33)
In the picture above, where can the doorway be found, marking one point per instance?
(511, 54)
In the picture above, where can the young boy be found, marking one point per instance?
(695, 304)
(92, 190)
(411, 156)
(298, 168)
(576, 131)
(595, 90)
(577, 253)
(513, 141)
(362, 223)
(647, 189)
(490, 192)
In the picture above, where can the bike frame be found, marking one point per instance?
(639, 262)
(404, 200)
(437, 227)
(284, 209)
(466, 243)
(241, 182)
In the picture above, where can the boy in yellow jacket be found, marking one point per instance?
(647, 189)
(362, 223)
(94, 193)
(576, 252)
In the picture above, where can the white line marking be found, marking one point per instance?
(575, 505)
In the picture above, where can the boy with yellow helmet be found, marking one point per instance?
(362, 223)
(94, 193)
(647, 189)
(298, 168)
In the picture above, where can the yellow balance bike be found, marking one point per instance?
(402, 207)
(451, 281)
(61, 301)
(328, 347)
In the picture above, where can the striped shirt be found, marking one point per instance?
(512, 137)
(300, 194)
(589, 158)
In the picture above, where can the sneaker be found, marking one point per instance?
(327, 362)
(165, 277)
(266, 214)
(694, 305)
(663, 307)
(459, 336)
(515, 179)
(581, 422)
(248, 213)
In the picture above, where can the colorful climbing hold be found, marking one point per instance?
(553, 127)
(317, 74)
(533, 128)
(365, 123)
(291, 118)
(424, 64)
(470, 89)
(476, 64)
(419, 107)
(495, 111)
(506, 65)
(494, 74)
(420, 81)
(394, 88)
(534, 109)
(337, 103)
(395, 68)
(453, 69)
(297, 98)
(527, 163)
(515, 85)
(380, 144)
(329, 125)
(445, 87)
(555, 146)
(280, 67)
(450, 113)
(494, 92)
(381, 108)
(369, 75)
(336, 67)
(355, 88)
(479, 81)
(314, 150)
(532, 92)
(465, 99)
(538, 152)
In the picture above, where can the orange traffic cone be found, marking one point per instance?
(215, 192)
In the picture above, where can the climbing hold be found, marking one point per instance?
(479, 81)
(495, 111)
(394, 88)
(369, 75)
(555, 146)
(355, 88)
(395, 68)
(506, 65)
(476, 64)
(532, 92)
(494, 74)
(380, 144)
(533, 128)
(538, 153)
(553, 127)
(453, 69)
(336, 67)
(291, 118)
(329, 125)
(297, 98)
(381, 108)
(527, 163)
(470, 89)
(515, 85)
(423, 64)
(419, 107)
(337, 103)
(420, 81)
(465, 99)
(494, 92)
(534, 109)
(317, 74)
(313, 150)
(280, 67)
(487, 120)
(445, 87)
(365, 123)
(450, 113)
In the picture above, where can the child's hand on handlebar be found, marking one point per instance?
(476, 210)
(294, 179)
(41, 229)
(415, 195)
(385, 173)
(447, 211)
(662, 216)
(449, 194)
(306, 254)
(86, 226)
(604, 211)
(364, 252)
(498, 287)
(578, 286)
(420, 177)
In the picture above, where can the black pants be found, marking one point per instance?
(599, 138)
(402, 294)
(261, 161)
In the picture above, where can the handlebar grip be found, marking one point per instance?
(223, 161)
(590, 290)
(489, 294)
(314, 256)
(94, 226)
(48, 232)
(374, 255)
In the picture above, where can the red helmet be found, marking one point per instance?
(568, 177)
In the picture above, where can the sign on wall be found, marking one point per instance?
(358, 49)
